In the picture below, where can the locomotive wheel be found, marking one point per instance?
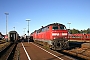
(67, 45)
(53, 45)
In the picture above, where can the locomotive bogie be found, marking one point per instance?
(60, 44)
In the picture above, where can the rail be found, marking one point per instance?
(64, 52)
(6, 53)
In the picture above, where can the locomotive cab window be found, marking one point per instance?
(36, 32)
(62, 27)
(55, 27)
(47, 28)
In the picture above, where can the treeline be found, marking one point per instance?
(74, 31)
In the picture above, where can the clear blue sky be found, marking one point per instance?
(44, 12)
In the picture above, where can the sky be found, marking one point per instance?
(42, 13)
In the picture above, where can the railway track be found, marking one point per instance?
(70, 55)
(78, 50)
(64, 52)
(2, 41)
(8, 52)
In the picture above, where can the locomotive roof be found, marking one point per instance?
(54, 24)
(47, 26)
(12, 32)
(51, 24)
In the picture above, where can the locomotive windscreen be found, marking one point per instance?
(55, 27)
(60, 27)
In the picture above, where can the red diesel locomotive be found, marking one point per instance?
(54, 35)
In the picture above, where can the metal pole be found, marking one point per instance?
(69, 29)
(24, 30)
(14, 28)
(69, 26)
(6, 24)
(28, 28)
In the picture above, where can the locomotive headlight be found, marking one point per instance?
(54, 38)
